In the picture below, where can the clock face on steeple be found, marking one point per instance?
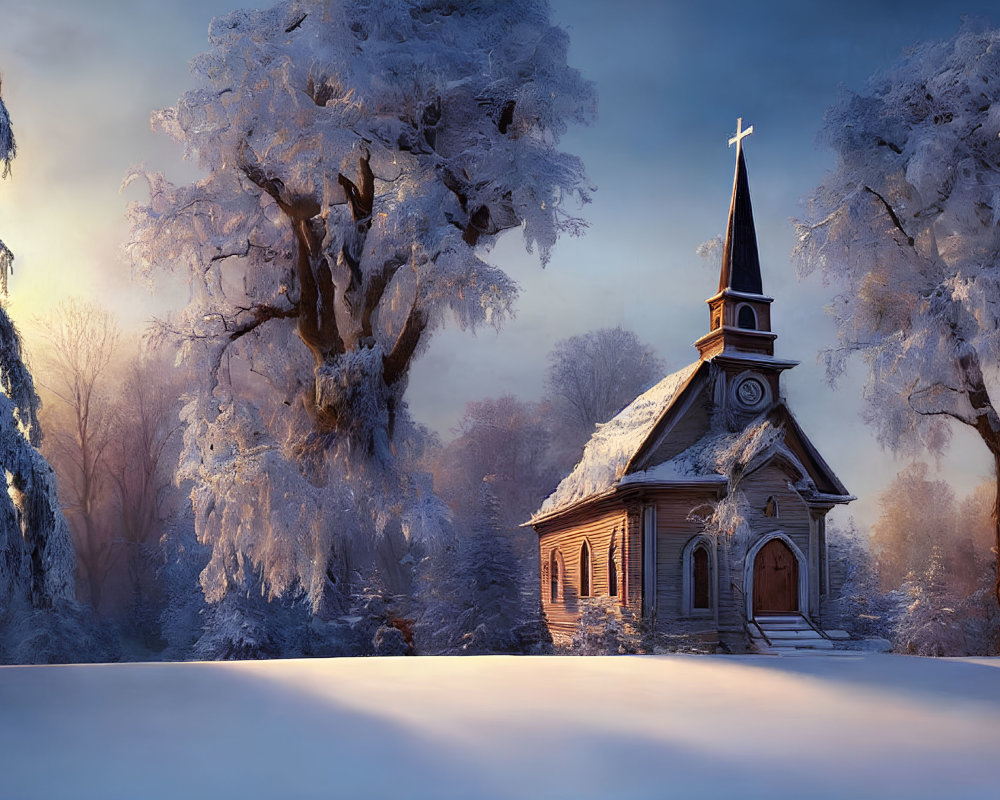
(750, 392)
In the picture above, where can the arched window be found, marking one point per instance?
(612, 569)
(555, 576)
(701, 595)
(699, 591)
(746, 318)
(585, 571)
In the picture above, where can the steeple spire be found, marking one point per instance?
(740, 262)
(740, 314)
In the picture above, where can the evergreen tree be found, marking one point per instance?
(929, 625)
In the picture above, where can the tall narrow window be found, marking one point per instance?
(612, 569)
(771, 507)
(700, 595)
(555, 575)
(585, 570)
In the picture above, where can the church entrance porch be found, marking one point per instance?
(775, 579)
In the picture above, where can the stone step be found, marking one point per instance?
(794, 635)
(793, 621)
(818, 644)
(809, 652)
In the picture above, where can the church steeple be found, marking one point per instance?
(740, 262)
(740, 313)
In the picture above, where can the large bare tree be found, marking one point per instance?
(81, 340)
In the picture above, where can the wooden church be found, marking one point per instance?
(702, 505)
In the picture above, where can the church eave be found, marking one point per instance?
(727, 292)
(823, 500)
(733, 330)
(578, 507)
(752, 360)
(622, 492)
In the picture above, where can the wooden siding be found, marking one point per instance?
(563, 616)
(673, 531)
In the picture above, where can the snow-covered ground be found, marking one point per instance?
(871, 726)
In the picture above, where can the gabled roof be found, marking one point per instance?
(614, 443)
(774, 438)
(609, 461)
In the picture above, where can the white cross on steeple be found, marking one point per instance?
(740, 133)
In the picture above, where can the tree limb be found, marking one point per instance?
(317, 313)
(377, 284)
(260, 315)
(892, 215)
(397, 362)
(360, 197)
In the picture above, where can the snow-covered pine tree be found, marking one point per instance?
(39, 618)
(907, 225)
(866, 610)
(361, 157)
(929, 625)
(475, 598)
(492, 602)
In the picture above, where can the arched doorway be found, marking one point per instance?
(775, 579)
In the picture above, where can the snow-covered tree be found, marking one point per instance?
(476, 598)
(504, 439)
(361, 158)
(866, 609)
(929, 625)
(590, 378)
(917, 514)
(39, 620)
(906, 224)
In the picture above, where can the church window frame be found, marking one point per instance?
(771, 508)
(586, 569)
(613, 566)
(741, 317)
(706, 544)
(557, 576)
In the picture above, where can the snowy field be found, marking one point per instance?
(870, 726)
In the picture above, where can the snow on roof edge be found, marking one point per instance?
(614, 443)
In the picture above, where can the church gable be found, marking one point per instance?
(798, 443)
(687, 421)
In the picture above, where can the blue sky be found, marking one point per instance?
(80, 80)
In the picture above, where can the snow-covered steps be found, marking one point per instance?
(787, 634)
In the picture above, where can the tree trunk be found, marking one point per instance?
(996, 525)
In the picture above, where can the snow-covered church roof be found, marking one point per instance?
(614, 443)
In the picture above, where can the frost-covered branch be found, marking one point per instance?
(892, 214)
(8, 147)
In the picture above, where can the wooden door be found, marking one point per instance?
(775, 579)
